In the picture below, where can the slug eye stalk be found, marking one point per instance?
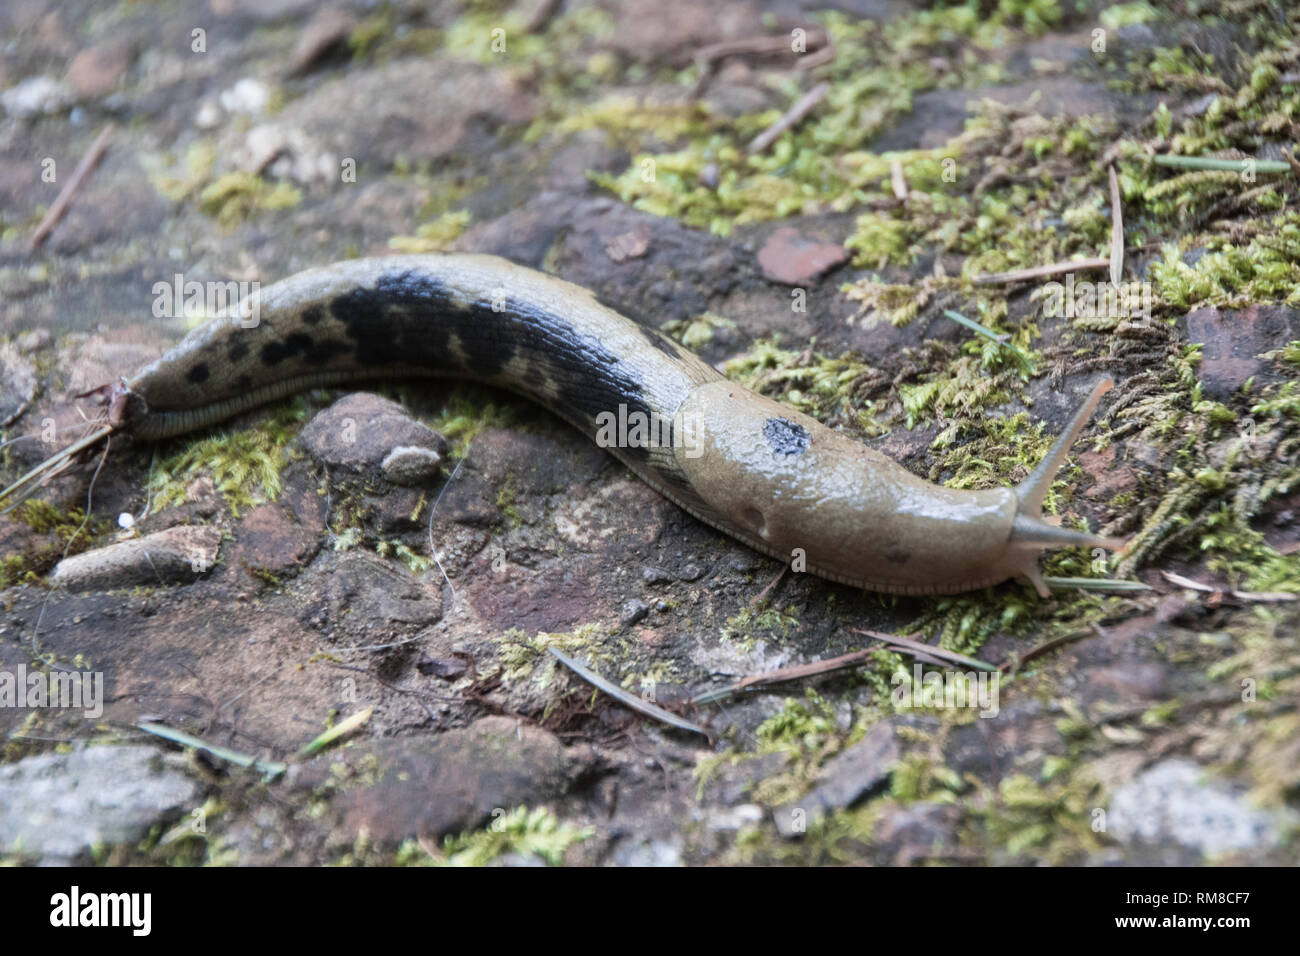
(1029, 531)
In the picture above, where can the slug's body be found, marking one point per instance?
(763, 473)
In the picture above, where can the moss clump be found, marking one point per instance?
(234, 197)
(244, 465)
(801, 726)
(468, 411)
(697, 332)
(535, 832)
(523, 657)
(433, 236)
(1053, 822)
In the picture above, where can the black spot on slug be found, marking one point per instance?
(198, 373)
(897, 556)
(238, 350)
(313, 352)
(314, 315)
(786, 437)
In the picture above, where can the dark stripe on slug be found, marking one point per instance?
(408, 318)
(660, 341)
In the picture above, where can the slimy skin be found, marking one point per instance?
(751, 467)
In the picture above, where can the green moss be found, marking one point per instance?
(697, 332)
(767, 621)
(525, 658)
(469, 411)
(195, 171)
(13, 570)
(1052, 822)
(244, 465)
(235, 197)
(433, 236)
(536, 832)
(506, 501)
(801, 726)
(1128, 14)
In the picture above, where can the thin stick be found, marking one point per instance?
(783, 674)
(1096, 584)
(64, 199)
(269, 767)
(1116, 230)
(1223, 165)
(756, 45)
(51, 466)
(335, 732)
(626, 697)
(909, 645)
(896, 180)
(1038, 272)
(1004, 340)
(793, 117)
(757, 599)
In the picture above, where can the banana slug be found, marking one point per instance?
(759, 471)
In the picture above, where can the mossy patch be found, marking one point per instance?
(244, 465)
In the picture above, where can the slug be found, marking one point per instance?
(779, 481)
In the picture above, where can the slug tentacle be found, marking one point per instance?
(1030, 533)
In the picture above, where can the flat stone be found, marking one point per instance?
(846, 779)
(907, 834)
(177, 555)
(325, 31)
(57, 807)
(366, 597)
(359, 431)
(433, 786)
(266, 540)
(35, 96)
(792, 258)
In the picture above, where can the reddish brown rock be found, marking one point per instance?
(431, 786)
(267, 541)
(795, 259)
(96, 71)
(1232, 343)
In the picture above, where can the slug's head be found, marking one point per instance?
(1030, 534)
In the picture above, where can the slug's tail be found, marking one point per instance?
(1029, 532)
